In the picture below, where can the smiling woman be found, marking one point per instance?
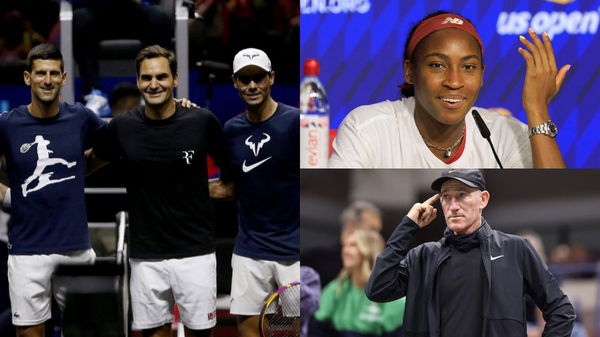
(434, 126)
(344, 309)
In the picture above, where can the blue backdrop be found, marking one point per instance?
(360, 44)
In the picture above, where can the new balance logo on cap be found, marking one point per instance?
(452, 20)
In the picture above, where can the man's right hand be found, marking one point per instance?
(423, 213)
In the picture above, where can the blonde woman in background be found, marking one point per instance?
(344, 308)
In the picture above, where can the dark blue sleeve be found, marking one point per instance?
(94, 126)
(296, 135)
(105, 143)
(3, 142)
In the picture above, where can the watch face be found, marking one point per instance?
(553, 130)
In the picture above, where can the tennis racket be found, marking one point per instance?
(25, 147)
(280, 317)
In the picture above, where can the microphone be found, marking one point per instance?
(485, 133)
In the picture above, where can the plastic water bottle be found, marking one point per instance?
(4, 105)
(314, 119)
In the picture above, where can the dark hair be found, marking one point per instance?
(156, 51)
(123, 89)
(406, 90)
(44, 51)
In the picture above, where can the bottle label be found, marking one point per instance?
(314, 141)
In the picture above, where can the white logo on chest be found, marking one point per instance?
(255, 147)
(43, 161)
(188, 156)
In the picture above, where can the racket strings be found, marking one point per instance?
(282, 315)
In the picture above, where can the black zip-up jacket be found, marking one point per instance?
(512, 269)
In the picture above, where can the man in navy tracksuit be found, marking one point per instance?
(474, 280)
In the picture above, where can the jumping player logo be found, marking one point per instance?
(43, 161)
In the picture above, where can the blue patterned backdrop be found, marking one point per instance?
(360, 44)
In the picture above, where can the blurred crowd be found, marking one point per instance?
(219, 28)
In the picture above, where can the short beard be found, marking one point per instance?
(253, 106)
(46, 101)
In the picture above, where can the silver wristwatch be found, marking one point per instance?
(547, 128)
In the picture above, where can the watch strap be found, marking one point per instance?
(547, 128)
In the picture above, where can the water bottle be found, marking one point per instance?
(4, 105)
(314, 119)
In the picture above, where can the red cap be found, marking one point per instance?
(311, 67)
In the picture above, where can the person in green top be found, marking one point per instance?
(344, 308)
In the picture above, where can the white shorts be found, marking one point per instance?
(191, 283)
(253, 281)
(31, 284)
